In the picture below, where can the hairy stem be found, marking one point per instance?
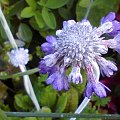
(27, 82)
(81, 107)
(88, 9)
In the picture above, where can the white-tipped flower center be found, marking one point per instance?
(77, 41)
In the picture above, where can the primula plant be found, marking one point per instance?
(59, 57)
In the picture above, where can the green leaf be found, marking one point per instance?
(42, 3)
(39, 19)
(53, 4)
(65, 13)
(45, 110)
(5, 2)
(32, 3)
(84, 3)
(3, 115)
(62, 102)
(99, 9)
(49, 18)
(34, 24)
(72, 96)
(27, 12)
(16, 8)
(100, 102)
(30, 118)
(23, 102)
(2, 32)
(47, 97)
(24, 33)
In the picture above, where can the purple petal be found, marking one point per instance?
(99, 90)
(51, 78)
(109, 18)
(65, 84)
(106, 67)
(68, 23)
(88, 90)
(51, 39)
(58, 83)
(43, 68)
(116, 25)
(50, 60)
(47, 47)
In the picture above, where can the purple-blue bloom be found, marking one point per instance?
(116, 25)
(79, 45)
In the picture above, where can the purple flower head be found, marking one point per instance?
(19, 57)
(48, 46)
(78, 45)
(116, 25)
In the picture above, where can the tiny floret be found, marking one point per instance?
(79, 45)
(19, 56)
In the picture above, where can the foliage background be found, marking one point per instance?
(31, 21)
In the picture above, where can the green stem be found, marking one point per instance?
(62, 115)
(28, 72)
(27, 82)
(7, 30)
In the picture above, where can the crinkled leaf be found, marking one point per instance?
(32, 3)
(100, 102)
(72, 96)
(39, 19)
(47, 97)
(53, 4)
(23, 102)
(62, 102)
(28, 12)
(49, 18)
(24, 33)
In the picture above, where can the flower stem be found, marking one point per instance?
(27, 82)
(88, 9)
(81, 107)
(7, 30)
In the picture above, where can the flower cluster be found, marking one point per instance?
(79, 45)
(19, 57)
